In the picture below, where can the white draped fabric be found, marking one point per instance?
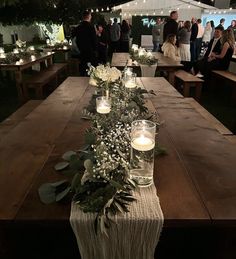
(132, 235)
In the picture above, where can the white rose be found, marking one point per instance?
(93, 82)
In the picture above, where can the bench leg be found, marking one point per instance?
(198, 91)
(186, 89)
(39, 91)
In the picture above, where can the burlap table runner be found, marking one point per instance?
(134, 235)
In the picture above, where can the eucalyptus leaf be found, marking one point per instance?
(88, 164)
(47, 193)
(67, 156)
(60, 166)
(76, 181)
(63, 194)
(58, 183)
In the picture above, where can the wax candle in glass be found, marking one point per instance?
(16, 51)
(142, 152)
(103, 104)
(2, 50)
(130, 80)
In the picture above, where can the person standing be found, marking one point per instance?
(193, 42)
(125, 36)
(115, 36)
(199, 38)
(233, 27)
(222, 22)
(102, 44)
(86, 41)
(171, 26)
(156, 34)
(184, 45)
(207, 34)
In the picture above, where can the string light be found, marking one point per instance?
(97, 10)
(92, 11)
(108, 8)
(102, 10)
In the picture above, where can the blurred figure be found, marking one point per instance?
(207, 34)
(222, 22)
(212, 29)
(86, 41)
(102, 44)
(180, 25)
(156, 34)
(125, 36)
(115, 36)
(193, 40)
(171, 26)
(169, 48)
(199, 38)
(184, 45)
(233, 27)
(209, 61)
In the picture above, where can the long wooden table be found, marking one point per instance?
(18, 69)
(196, 181)
(164, 63)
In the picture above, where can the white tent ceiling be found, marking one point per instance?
(186, 8)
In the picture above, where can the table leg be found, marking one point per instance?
(186, 89)
(198, 91)
(19, 86)
(171, 77)
(49, 60)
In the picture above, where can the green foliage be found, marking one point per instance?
(101, 182)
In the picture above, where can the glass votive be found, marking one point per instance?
(33, 58)
(16, 51)
(142, 152)
(103, 105)
(65, 47)
(2, 55)
(31, 48)
(130, 81)
(2, 50)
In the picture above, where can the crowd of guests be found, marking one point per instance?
(181, 41)
(94, 44)
(184, 41)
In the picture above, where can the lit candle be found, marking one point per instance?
(2, 50)
(33, 58)
(142, 143)
(47, 41)
(103, 105)
(2, 55)
(31, 48)
(65, 47)
(15, 51)
(130, 84)
(103, 109)
(49, 52)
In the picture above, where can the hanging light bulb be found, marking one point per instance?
(102, 9)
(92, 11)
(97, 10)
(108, 9)
(199, 2)
(154, 13)
(144, 1)
(177, 8)
(230, 8)
(224, 11)
(161, 12)
(188, 6)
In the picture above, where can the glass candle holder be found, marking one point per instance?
(130, 80)
(2, 55)
(16, 51)
(142, 152)
(103, 105)
(2, 51)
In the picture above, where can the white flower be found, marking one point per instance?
(93, 82)
(21, 44)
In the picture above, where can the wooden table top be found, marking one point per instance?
(121, 59)
(27, 62)
(196, 181)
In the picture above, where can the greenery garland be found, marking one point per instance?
(100, 170)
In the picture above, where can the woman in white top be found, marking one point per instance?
(169, 48)
(207, 34)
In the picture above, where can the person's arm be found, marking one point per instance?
(223, 51)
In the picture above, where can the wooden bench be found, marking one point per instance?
(38, 81)
(210, 118)
(59, 68)
(188, 81)
(229, 76)
(12, 121)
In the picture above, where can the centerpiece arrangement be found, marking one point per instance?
(101, 181)
(142, 56)
(18, 54)
(57, 45)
